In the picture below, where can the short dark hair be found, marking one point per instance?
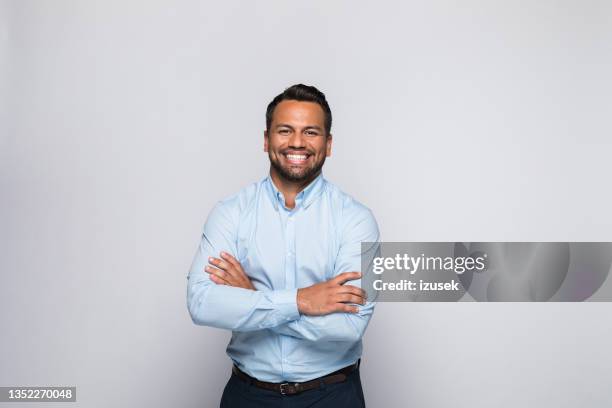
(305, 93)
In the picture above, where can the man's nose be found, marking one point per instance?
(296, 140)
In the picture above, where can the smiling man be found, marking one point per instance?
(279, 264)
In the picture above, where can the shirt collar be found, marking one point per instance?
(303, 198)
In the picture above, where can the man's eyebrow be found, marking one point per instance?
(283, 125)
(316, 127)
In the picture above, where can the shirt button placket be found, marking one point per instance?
(290, 264)
(290, 251)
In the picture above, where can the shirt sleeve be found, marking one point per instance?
(349, 327)
(227, 307)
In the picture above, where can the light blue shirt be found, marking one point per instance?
(281, 250)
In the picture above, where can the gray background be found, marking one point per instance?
(123, 122)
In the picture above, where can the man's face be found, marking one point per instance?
(296, 141)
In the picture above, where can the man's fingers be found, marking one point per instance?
(216, 273)
(230, 259)
(219, 263)
(353, 290)
(346, 276)
(347, 309)
(348, 298)
(218, 280)
(226, 266)
(230, 270)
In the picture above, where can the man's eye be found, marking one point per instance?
(283, 131)
(312, 133)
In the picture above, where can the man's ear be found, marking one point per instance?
(329, 145)
(265, 141)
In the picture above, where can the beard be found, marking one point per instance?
(296, 174)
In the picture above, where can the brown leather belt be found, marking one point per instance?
(291, 388)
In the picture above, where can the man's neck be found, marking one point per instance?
(290, 189)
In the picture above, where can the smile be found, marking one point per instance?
(297, 158)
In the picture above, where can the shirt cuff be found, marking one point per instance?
(286, 301)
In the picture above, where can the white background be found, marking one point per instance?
(123, 122)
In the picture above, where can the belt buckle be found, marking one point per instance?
(283, 391)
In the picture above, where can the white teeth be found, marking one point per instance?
(296, 157)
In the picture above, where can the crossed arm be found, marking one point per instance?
(220, 294)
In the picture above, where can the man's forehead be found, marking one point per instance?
(299, 111)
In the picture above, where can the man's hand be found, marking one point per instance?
(331, 296)
(228, 271)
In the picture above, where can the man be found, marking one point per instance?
(274, 266)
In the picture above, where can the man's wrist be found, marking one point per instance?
(302, 303)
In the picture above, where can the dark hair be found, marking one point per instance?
(305, 93)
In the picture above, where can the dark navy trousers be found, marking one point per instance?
(347, 394)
